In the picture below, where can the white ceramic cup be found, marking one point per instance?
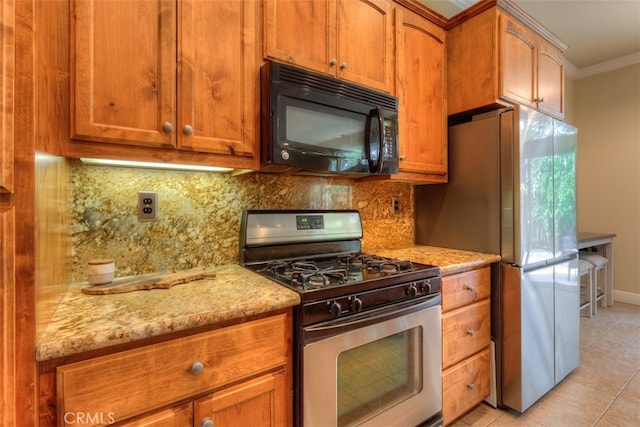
(101, 271)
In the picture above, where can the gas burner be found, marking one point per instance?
(358, 260)
(389, 266)
(318, 279)
(285, 269)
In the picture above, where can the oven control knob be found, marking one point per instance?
(412, 290)
(356, 304)
(335, 308)
(426, 287)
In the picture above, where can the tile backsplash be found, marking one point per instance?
(199, 214)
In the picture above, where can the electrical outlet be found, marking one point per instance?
(395, 202)
(147, 205)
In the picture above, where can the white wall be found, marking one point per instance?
(606, 110)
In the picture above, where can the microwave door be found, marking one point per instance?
(374, 137)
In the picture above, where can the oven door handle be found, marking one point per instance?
(340, 326)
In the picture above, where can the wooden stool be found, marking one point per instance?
(600, 288)
(585, 268)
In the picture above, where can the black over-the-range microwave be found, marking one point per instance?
(319, 124)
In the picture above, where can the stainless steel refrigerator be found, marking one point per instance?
(512, 192)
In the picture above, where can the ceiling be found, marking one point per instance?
(600, 34)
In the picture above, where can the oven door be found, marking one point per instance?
(381, 368)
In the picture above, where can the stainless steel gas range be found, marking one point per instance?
(367, 339)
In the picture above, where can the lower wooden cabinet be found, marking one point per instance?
(465, 385)
(257, 402)
(238, 375)
(178, 416)
(466, 338)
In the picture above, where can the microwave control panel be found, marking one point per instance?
(388, 146)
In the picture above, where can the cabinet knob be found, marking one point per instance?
(470, 332)
(470, 386)
(187, 129)
(540, 99)
(403, 157)
(333, 62)
(167, 127)
(343, 66)
(196, 368)
(206, 422)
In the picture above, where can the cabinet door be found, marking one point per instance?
(179, 416)
(365, 38)
(421, 85)
(7, 50)
(301, 32)
(123, 73)
(550, 80)
(260, 402)
(218, 77)
(518, 61)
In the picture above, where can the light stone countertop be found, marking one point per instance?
(450, 261)
(87, 322)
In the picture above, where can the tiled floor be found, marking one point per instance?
(603, 391)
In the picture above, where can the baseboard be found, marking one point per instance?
(628, 297)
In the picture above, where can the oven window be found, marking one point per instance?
(378, 375)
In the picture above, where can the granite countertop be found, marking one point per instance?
(450, 261)
(87, 322)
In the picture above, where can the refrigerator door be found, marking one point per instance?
(535, 200)
(528, 335)
(565, 145)
(567, 318)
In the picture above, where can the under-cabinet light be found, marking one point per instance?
(153, 165)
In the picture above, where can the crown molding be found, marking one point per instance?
(603, 67)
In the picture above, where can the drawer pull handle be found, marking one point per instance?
(472, 290)
(196, 368)
(470, 332)
(206, 422)
(471, 386)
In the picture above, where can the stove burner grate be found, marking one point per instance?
(319, 278)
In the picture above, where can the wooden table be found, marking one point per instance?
(602, 244)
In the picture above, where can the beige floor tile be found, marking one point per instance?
(482, 416)
(508, 419)
(624, 411)
(560, 409)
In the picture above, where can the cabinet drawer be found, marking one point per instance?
(135, 381)
(465, 288)
(465, 385)
(465, 331)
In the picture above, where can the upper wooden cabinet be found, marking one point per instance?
(167, 74)
(499, 55)
(7, 62)
(532, 68)
(421, 87)
(348, 39)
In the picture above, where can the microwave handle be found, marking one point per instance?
(377, 114)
